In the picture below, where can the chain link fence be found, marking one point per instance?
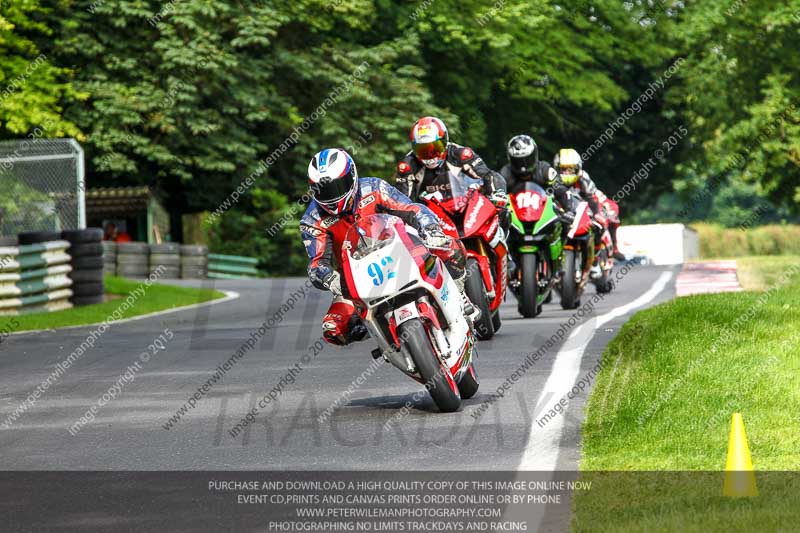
(42, 184)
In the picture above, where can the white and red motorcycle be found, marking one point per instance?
(411, 307)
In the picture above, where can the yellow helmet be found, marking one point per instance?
(568, 164)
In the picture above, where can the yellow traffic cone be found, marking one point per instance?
(740, 481)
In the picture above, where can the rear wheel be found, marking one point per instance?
(569, 283)
(530, 286)
(469, 383)
(438, 380)
(484, 327)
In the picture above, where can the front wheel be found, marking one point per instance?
(496, 320)
(469, 383)
(484, 328)
(438, 380)
(569, 282)
(604, 284)
(529, 292)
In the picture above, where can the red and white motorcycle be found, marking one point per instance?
(411, 307)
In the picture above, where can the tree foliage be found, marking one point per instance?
(33, 89)
(192, 97)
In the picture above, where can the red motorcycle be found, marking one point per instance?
(579, 253)
(604, 250)
(468, 215)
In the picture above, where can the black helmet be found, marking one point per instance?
(523, 154)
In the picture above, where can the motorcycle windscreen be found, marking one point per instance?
(529, 203)
(454, 195)
(381, 256)
(370, 234)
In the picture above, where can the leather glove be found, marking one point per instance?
(333, 282)
(567, 217)
(499, 199)
(600, 219)
(434, 237)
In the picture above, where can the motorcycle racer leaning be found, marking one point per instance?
(569, 168)
(425, 167)
(569, 165)
(524, 165)
(340, 197)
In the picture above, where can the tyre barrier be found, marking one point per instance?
(165, 260)
(35, 277)
(110, 257)
(133, 259)
(194, 261)
(38, 237)
(88, 251)
(231, 266)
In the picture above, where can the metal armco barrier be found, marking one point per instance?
(34, 277)
(231, 266)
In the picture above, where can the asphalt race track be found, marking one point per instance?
(289, 433)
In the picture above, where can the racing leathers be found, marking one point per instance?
(413, 178)
(587, 189)
(545, 176)
(610, 210)
(323, 235)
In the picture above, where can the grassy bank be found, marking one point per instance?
(719, 242)
(157, 297)
(663, 402)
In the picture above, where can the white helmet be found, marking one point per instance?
(333, 180)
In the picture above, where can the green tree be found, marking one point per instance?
(33, 89)
(739, 94)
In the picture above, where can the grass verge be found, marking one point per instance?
(156, 297)
(663, 401)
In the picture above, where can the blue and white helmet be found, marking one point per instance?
(333, 180)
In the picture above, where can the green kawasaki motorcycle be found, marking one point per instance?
(535, 245)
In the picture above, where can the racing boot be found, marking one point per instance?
(471, 312)
(513, 280)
